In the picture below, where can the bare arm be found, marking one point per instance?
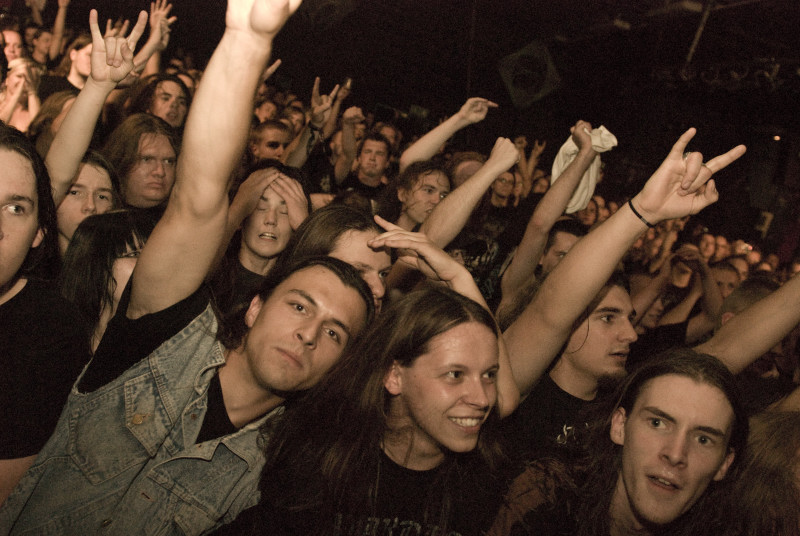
(11, 472)
(549, 209)
(58, 29)
(418, 252)
(112, 60)
(343, 164)
(473, 111)
(193, 225)
(452, 212)
(751, 333)
(148, 60)
(330, 124)
(312, 132)
(679, 187)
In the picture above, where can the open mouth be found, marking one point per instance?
(663, 483)
(268, 236)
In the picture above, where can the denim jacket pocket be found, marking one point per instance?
(101, 444)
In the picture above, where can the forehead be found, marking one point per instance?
(434, 178)
(469, 345)
(352, 248)
(375, 146)
(93, 176)
(155, 144)
(168, 86)
(688, 401)
(563, 240)
(11, 37)
(343, 303)
(616, 298)
(274, 134)
(17, 176)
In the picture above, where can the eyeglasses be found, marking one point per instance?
(151, 161)
(276, 144)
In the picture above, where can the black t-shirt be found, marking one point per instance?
(44, 344)
(403, 495)
(127, 341)
(50, 84)
(351, 182)
(542, 420)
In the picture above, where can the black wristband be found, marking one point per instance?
(630, 204)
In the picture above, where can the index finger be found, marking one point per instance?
(680, 145)
(333, 93)
(138, 30)
(387, 225)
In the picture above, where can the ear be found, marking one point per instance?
(402, 195)
(37, 240)
(393, 382)
(726, 464)
(252, 311)
(72, 55)
(617, 431)
(726, 316)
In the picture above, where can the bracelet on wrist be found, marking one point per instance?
(636, 213)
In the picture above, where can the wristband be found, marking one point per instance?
(636, 213)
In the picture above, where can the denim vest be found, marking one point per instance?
(123, 459)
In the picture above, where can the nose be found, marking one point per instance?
(307, 334)
(627, 332)
(478, 393)
(160, 170)
(279, 151)
(89, 206)
(674, 449)
(376, 285)
(271, 216)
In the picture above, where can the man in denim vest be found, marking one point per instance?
(160, 435)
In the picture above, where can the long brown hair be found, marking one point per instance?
(324, 456)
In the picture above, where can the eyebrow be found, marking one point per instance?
(707, 429)
(18, 197)
(313, 302)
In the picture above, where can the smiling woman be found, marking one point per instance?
(421, 386)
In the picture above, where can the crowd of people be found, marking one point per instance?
(225, 309)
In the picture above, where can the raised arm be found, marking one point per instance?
(549, 209)
(112, 60)
(679, 187)
(350, 117)
(193, 225)
(473, 111)
(418, 252)
(312, 132)
(751, 333)
(452, 212)
(58, 29)
(148, 60)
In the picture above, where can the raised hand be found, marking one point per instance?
(352, 115)
(682, 185)
(538, 148)
(112, 56)
(119, 27)
(475, 109)
(581, 135)
(504, 154)
(259, 18)
(321, 104)
(160, 22)
(521, 143)
(296, 201)
(417, 251)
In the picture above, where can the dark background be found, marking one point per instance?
(619, 63)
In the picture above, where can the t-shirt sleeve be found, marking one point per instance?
(127, 341)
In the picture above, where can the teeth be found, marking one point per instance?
(662, 481)
(468, 423)
(269, 236)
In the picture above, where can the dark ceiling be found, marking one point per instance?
(647, 69)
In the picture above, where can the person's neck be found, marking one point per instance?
(245, 400)
(573, 381)
(405, 222)
(76, 80)
(623, 521)
(403, 448)
(11, 289)
(256, 264)
(369, 180)
(40, 57)
(63, 244)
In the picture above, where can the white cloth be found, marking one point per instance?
(602, 141)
